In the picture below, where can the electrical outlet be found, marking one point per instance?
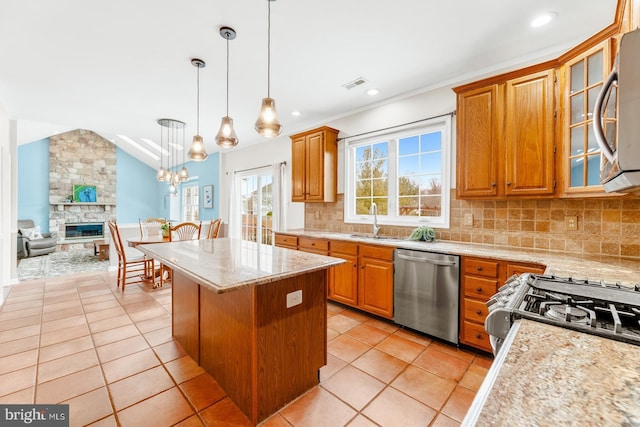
(468, 219)
(294, 298)
(570, 222)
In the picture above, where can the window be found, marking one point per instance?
(190, 203)
(405, 173)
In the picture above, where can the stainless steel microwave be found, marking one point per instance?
(620, 144)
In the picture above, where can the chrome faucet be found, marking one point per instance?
(373, 210)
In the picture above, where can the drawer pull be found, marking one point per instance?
(478, 312)
(478, 336)
(479, 268)
(479, 290)
(313, 244)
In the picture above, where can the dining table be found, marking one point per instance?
(153, 238)
(149, 272)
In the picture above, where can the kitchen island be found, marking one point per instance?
(547, 375)
(252, 315)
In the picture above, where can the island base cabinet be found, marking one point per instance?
(263, 354)
(186, 323)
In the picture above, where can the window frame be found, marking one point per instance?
(193, 207)
(439, 124)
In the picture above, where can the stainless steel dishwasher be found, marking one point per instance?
(426, 292)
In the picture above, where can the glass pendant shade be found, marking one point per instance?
(197, 151)
(184, 174)
(268, 124)
(160, 175)
(226, 136)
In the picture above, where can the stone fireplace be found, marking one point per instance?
(80, 157)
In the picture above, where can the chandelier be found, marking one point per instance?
(173, 132)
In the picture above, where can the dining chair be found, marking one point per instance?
(214, 228)
(150, 224)
(182, 231)
(130, 269)
(185, 231)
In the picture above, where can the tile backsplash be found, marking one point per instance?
(605, 226)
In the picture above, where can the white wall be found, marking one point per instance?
(8, 202)
(264, 154)
(398, 112)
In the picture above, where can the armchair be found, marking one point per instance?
(33, 243)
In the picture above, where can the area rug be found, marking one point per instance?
(60, 263)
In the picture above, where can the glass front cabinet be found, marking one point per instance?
(585, 75)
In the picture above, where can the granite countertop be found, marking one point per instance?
(592, 267)
(227, 264)
(555, 376)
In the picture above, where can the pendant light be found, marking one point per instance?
(171, 173)
(184, 173)
(267, 124)
(226, 136)
(197, 151)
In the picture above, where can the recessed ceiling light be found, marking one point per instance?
(372, 91)
(543, 19)
(296, 113)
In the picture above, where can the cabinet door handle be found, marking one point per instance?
(478, 336)
(478, 312)
(493, 184)
(479, 268)
(479, 290)
(508, 182)
(355, 265)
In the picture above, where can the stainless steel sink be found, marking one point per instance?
(369, 236)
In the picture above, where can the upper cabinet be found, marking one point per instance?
(520, 133)
(314, 165)
(583, 77)
(478, 126)
(529, 135)
(506, 139)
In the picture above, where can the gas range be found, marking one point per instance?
(609, 310)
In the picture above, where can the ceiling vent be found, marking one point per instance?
(354, 83)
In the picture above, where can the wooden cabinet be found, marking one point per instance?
(478, 135)
(313, 245)
(505, 134)
(582, 79)
(518, 269)
(375, 280)
(286, 241)
(364, 281)
(480, 279)
(343, 278)
(314, 165)
(529, 135)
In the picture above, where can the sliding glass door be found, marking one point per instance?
(256, 200)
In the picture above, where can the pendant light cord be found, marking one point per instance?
(227, 76)
(198, 103)
(269, 50)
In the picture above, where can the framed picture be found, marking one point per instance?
(84, 193)
(207, 196)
